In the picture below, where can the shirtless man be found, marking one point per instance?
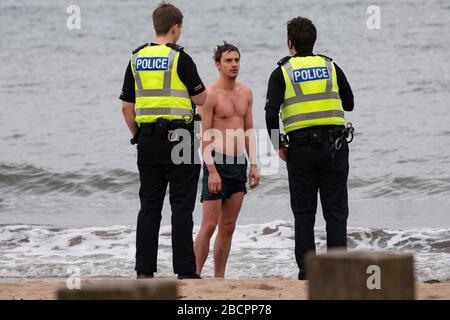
(226, 115)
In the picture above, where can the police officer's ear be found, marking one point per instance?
(176, 31)
(290, 46)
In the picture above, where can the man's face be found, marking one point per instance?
(229, 64)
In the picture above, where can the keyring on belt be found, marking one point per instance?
(338, 144)
(346, 132)
(350, 129)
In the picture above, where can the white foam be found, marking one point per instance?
(258, 250)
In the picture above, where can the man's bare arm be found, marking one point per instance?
(200, 99)
(250, 139)
(129, 115)
(207, 112)
(250, 143)
(208, 136)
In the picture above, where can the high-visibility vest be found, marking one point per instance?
(159, 91)
(311, 97)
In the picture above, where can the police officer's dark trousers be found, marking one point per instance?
(156, 171)
(312, 169)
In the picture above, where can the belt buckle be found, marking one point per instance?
(172, 135)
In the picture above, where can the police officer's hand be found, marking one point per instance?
(282, 152)
(214, 182)
(253, 177)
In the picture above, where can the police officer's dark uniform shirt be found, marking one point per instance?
(277, 87)
(186, 69)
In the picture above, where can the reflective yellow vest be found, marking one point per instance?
(311, 97)
(159, 90)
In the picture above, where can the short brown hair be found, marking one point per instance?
(225, 47)
(302, 33)
(165, 16)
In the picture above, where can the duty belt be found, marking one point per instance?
(166, 129)
(314, 135)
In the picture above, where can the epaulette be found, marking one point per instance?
(174, 46)
(324, 56)
(139, 48)
(284, 60)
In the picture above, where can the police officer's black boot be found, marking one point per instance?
(301, 275)
(145, 275)
(183, 276)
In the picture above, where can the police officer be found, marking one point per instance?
(160, 82)
(313, 93)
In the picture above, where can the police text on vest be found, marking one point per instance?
(310, 74)
(152, 64)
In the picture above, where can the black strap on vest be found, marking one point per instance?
(174, 46)
(139, 48)
(283, 60)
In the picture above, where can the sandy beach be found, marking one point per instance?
(207, 289)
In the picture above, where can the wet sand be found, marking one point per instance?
(207, 289)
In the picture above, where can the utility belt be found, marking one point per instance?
(336, 135)
(166, 129)
(314, 135)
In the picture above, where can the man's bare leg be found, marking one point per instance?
(211, 214)
(227, 223)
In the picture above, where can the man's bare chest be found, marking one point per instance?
(231, 105)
